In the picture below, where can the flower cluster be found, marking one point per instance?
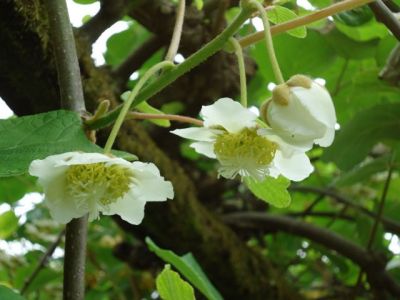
(76, 184)
(300, 113)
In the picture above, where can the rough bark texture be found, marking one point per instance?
(28, 84)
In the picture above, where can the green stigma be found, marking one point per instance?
(245, 146)
(107, 183)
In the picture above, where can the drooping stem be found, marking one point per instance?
(178, 118)
(176, 35)
(304, 20)
(242, 71)
(192, 61)
(269, 43)
(128, 103)
(71, 93)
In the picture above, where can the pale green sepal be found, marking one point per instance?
(271, 190)
(171, 286)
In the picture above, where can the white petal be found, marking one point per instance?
(296, 168)
(204, 148)
(327, 140)
(318, 102)
(294, 123)
(77, 158)
(201, 134)
(129, 208)
(149, 185)
(229, 114)
(61, 207)
(44, 168)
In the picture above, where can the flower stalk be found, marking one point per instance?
(176, 35)
(128, 104)
(269, 43)
(242, 71)
(145, 116)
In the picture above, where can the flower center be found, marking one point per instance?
(106, 183)
(246, 150)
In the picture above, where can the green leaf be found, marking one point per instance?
(33, 137)
(356, 16)
(362, 171)
(14, 188)
(147, 108)
(188, 267)
(271, 190)
(8, 294)
(171, 286)
(121, 44)
(280, 14)
(199, 4)
(349, 48)
(8, 224)
(356, 138)
(366, 32)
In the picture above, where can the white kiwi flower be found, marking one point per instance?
(76, 184)
(231, 135)
(301, 112)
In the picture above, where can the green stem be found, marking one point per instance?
(242, 71)
(128, 104)
(192, 61)
(269, 43)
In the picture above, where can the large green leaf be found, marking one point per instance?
(355, 139)
(171, 286)
(8, 294)
(350, 49)
(271, 190)
(8, 224)
(38, 136)
(188, 267)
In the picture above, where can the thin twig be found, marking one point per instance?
(49, 252)
(304, 20)
(71, 93)
(178, 118)
(390, 225)
(176, 35)
(378, 216)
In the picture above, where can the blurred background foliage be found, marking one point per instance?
(349, 53)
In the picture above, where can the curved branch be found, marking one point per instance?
(390, 225)
(372, 264)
